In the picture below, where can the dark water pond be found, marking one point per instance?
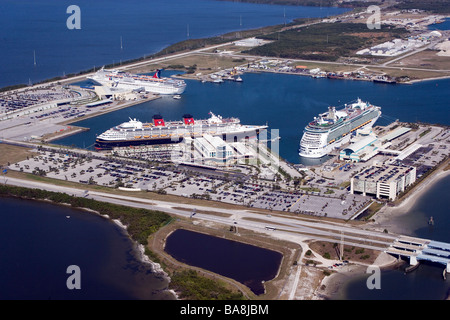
(244, 263)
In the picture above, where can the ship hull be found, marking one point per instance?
(103, 144)
(325, 150)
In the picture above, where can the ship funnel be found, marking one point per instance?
(158, 120)
(331, 113)
(188, 119)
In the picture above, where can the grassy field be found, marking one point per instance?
(11, 154)
(324, 41)
(412, 74)
(198, 63)
(427, 59)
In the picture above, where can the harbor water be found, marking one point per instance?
(36, 43)
(426, 282)
(39, 240)
(289, 104)
(285, 102)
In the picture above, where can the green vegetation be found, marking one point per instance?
(372, 209)
(141, 223)
(324, 41)
(193, 44)
(13, 87)
(195, 287)
(310, 189)
(425, 132)
(313, 3)
(434, 6)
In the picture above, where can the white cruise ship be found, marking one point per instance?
(153, 84)
(334, 128)
(136, 133)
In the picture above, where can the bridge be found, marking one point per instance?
(421, 249)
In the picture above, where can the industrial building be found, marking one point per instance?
(385, 181)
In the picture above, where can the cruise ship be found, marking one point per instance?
(334, 128)
(136, 133)
(153, 84)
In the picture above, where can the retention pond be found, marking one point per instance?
(247, 264)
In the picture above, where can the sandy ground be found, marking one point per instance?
(331, 286)
(445, 49)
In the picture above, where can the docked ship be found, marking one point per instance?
(334, 128)
(384, 79)
(137, 133)
(153, 84)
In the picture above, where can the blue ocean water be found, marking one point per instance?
(113, 31)
(32, 28)
(39, 241)
(426, 282)
(445, 25)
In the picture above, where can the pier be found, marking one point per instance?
(417, 249)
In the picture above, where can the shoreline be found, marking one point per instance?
(329, 286)
(383, 218)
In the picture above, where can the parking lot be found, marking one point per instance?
(188, 181)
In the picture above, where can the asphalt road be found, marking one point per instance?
(283, 226)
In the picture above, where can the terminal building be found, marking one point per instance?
(362, 150)
(367, 145)
(215, 150)
(213, 147)
(386, 181)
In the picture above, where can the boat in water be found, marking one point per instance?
(384, 79)
(136, 133)
(152, 84)
(334, 128)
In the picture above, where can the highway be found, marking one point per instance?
(282, 226)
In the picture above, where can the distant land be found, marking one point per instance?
(433, 6)
(324, 41)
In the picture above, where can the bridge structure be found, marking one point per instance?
(417, 249)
